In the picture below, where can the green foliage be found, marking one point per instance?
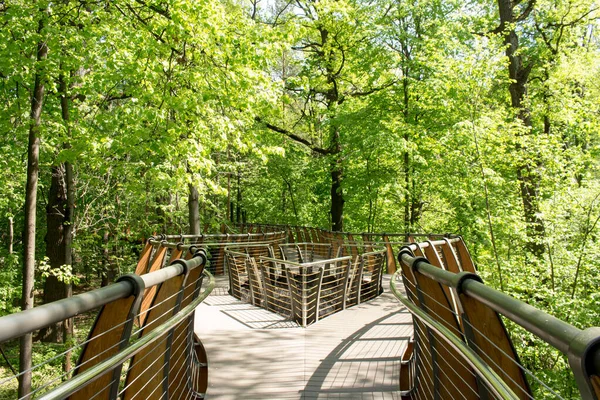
(408, 99)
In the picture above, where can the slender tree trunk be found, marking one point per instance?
(109, 268)
(238, 208)
(527, 175)
(33, 155)
(194, 213)
(11, 234)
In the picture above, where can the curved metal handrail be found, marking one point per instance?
(72, 385)
(487, 374)
(18, 324)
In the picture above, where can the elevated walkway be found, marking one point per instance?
(256, 354)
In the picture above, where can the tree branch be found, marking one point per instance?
(294, 137)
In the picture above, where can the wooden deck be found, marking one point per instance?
(255, 354)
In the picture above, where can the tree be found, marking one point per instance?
(335, 41)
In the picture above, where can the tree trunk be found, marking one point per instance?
(337, 196)
(527, 176)
(56, 249)
(33, 156)
(238, 205)
(11, 234)
(109, 269)
(194, 214)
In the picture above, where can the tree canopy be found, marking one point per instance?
(136, 117)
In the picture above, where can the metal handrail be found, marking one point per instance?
(180, 246)
(308, 264)
(72, 385)
(582, 347)
(552, 330)
(484, 371)
(18, 324)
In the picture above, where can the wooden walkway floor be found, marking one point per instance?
(255, 354)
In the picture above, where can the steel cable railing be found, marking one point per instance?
(463, 296)
(121, 331)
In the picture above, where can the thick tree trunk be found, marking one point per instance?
(194, 213)
(528, 178)
(33, 156)
(56, 213)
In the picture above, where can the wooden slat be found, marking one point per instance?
(391, 260)
(424, 362)
(107, 336)
(464, 256)
(596, 385)
(455, 380)
(486, 330)
(452, 263)
(406, 378)
(181, 341)
(142, 265)
(433, 257)
(145, 378)
(150, 293)
(367, 243)
(175, 254)
(352, 245)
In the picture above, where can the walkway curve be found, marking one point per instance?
(255, 354)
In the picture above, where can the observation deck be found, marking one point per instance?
(257, 354)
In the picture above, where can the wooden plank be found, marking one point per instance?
(595, 379)
(454, 379)
(150, 293)
(406, 366)
(179, 364)
(433, 257)
(464, 256)
(484, 327)
(391, 259)
(175, 254)
(452, 263)
(352, 246)
(367, 243)
(142, 265)
(146, 375)
(423, 339)
(106, 338)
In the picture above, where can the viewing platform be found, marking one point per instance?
(257, 354)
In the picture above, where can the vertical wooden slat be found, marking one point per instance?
(175, 254)
(431, 253)
(450, 257)
(464, 256)
(142, 265)
(486, 330)
(424, 381)
(391, 260)
(150, 293)
(146, 373)
(367, 243)
(109, 334)
(406, 378)
(455, 380)
(182, 340)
